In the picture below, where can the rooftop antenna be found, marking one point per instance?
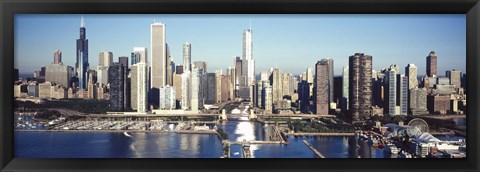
(82, 22)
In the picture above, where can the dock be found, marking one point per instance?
(313, 149)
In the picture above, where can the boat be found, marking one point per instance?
(126, 134)
(236, 153)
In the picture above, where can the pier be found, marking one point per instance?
(313, 149)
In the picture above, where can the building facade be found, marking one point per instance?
(360, 90)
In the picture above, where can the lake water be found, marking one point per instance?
(171, 145)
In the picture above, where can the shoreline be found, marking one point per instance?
(320, 134)
(121, 131)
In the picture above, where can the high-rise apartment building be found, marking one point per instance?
(344, 100)
(187, 56)
(330, 87)
(117, 77)
(186, 90)
(167, 98)
(322, 69)
(360, 86)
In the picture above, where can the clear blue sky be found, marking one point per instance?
(291, 42)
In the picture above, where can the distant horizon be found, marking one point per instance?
(291, 42)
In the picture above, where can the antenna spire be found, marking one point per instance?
(82, 22)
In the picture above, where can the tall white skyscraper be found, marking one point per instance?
(186, 85)
(187, 56)
(142, 87)
(197, 96)
(345, 88)
(159, 60)
(248, 61)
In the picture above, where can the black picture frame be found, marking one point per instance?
(8, 8)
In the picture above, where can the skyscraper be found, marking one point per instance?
(159, 60)
(418, 101)
(276, 80)
(218, 85)
(57, 72)
(432, 64)
(123, 60)
(105, 58)
(455, 77)
(391, 99)
(139, 54)
(82, 65)
(102, 75)
(57, 57)
(411, 72)
(329, 61)
(249, 62)
(187, 56)
(344, 101)
(167, 98)
(225, 87)
(201, 65)
(238, 75)
(210, 88)
(170, 68)
(248, 66)
(321, 87)
(360, 88)
(186, 90)
(197, 94)
(403, 94)
(267, 98)
(141, 87)
(117, 77)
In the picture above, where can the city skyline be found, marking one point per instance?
(219, 49)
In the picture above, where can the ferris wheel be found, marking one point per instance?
(417, 127)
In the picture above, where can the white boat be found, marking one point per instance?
(236, 153)
(126, 134)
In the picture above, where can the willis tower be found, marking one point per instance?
(82, 66)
